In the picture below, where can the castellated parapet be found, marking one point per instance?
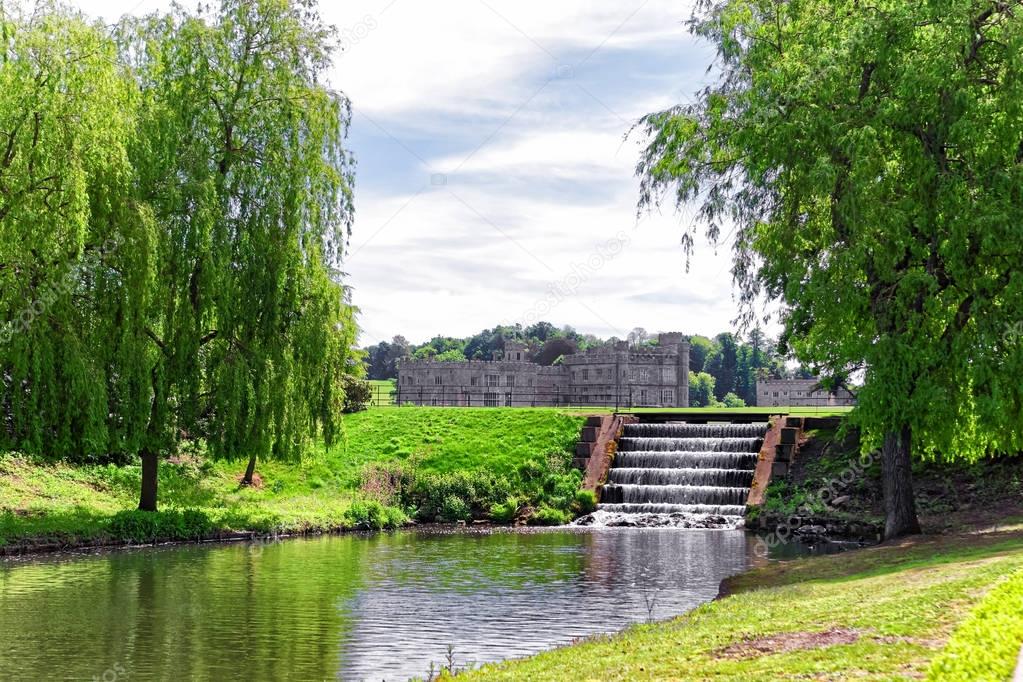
(624, 376)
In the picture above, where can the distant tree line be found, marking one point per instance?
(723, 369)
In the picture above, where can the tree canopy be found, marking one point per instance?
(867, 161)
(180, 183)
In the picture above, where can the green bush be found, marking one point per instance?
(585, 501)
(358, 394)
(549, 516)
(139, 526)
(504, 512)
(454, 508)
(478, 494)
(732, 400)
(371, 515)
(460, 495)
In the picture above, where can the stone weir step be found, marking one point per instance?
(694, 444)
(698, 476)
(613, 493)
(717, 509)
(681, 459)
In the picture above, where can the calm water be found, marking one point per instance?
(350, 607)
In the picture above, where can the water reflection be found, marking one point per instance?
(378, 607)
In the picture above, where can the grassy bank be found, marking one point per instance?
(830, 482)
(415, 462)
(880, 613)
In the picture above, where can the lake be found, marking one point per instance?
(350, 607)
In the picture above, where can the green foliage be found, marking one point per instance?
(371, 515)
(504, 512)
(139, 526)
(700, 347)
(786, 499)
(208, 306)
(867, 161)
(549, 516)
(73, 242)
(585, 502)
(732, 400)
(412, 459)
(701, 390)
(455, 496)
(358, 394)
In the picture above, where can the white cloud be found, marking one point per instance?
(537, 173)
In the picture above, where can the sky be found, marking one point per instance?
(495, 178)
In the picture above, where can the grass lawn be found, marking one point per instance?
(497, 439)
(68, 504)
(382, 392)
(880, 613)
(766, 411)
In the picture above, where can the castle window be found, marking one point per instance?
(474, 381)
(493, 380)
(586, 374)
(510, 380)
(438, 381)
(490, 400)
(667, 396)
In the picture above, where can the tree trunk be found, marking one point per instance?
(147, 500)
(249, 470)
(897, 482)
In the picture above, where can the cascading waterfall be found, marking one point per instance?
(693, 475)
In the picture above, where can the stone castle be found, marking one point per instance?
(801, 393)
(622, 375)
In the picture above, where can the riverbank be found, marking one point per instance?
(903, 609)
(392, 465)
(833, 491)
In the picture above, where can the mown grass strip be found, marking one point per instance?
(986, 645)
(880, 614)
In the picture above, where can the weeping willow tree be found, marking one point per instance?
(867, 159)
(240, 155)
(174, 202)
(75, 264)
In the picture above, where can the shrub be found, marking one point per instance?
(454, 508)
(358, 394)
(395, 517)
(504, 512)
(371, 515)
(585, 501)
(139, 526)
(732, 400)
(549, 516)
(433, 495)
